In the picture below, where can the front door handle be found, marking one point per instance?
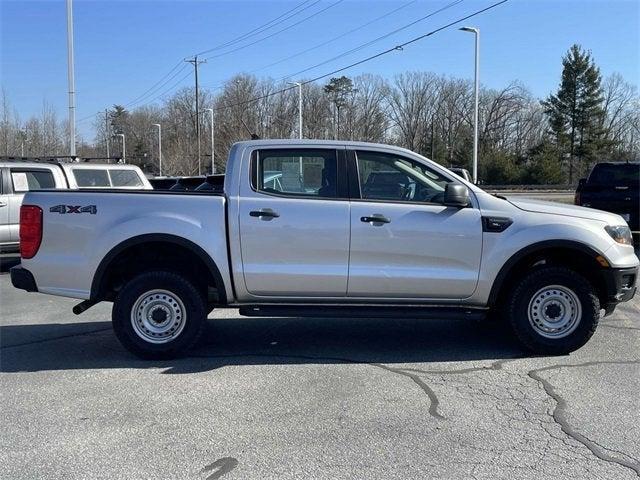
(376, 218)
(2, 204)
(265, 213)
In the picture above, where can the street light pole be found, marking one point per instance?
(71, 79)
(124, 150)
(159, 148)
(106, 132)
(475, 31)
(299, 85)
(213, 150)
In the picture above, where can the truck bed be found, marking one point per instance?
(80, 227)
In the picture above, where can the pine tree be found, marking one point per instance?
(575, 112)
(339, 90)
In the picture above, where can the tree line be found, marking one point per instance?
(522, 140)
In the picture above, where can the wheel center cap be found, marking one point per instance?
(553, 311)
(158, 316)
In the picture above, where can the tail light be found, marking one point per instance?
(30, 230)
(577, 199)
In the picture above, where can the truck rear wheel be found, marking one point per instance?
(553, 310)
(159, 315)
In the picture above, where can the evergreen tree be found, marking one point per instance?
(575, 112)
(339, 90)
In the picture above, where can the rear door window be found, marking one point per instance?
(91, 177)
(297, 172)
(125, 178)
(25, 180)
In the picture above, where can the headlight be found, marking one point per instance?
(620, 234)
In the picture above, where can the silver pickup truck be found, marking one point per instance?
(327, 228)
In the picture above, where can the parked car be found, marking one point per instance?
(318, 243)
(613, 187)
(462, 172)
(18, 177)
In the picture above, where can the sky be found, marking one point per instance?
(123, 47)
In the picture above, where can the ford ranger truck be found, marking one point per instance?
(326, 228)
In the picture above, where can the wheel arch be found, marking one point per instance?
(101, 278)
(584, 259)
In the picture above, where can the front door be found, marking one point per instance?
(404, 242)
(294, 224)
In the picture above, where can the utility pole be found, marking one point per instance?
(71, 78)
(106, 131)
(195, 62)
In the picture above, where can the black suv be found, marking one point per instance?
(614, 187)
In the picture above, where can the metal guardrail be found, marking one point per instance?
(529, 188)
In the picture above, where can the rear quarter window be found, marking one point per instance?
(25, 180)
(92, 177)
(125, 178)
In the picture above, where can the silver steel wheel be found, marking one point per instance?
(158, 316)
(554, 311)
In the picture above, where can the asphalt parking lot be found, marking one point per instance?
(312, 398)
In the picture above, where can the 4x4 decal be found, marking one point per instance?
(91, 209)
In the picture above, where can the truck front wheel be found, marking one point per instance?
(553, 310)
(159, 315)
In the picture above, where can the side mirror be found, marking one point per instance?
(456, 195)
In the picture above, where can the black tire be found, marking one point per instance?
(182, 303)
(528, 293)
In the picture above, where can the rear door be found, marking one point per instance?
(404, 242)
(294, 223)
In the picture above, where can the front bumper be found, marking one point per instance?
(23, 279)
(620, 285)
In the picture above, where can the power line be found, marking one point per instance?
(153, 87)
(399, 47)
(375, 40)
(266, 26)
(155, 90)
(327, 42)
(180, 66)
(367, 59)
(360, 47)
(242, 47)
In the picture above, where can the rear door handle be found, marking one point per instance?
(265, 213)
(2, 204)
(375, 218)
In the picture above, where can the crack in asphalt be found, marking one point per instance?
(496, 365)
(434, 402)
(619, 327)
(559, 415)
